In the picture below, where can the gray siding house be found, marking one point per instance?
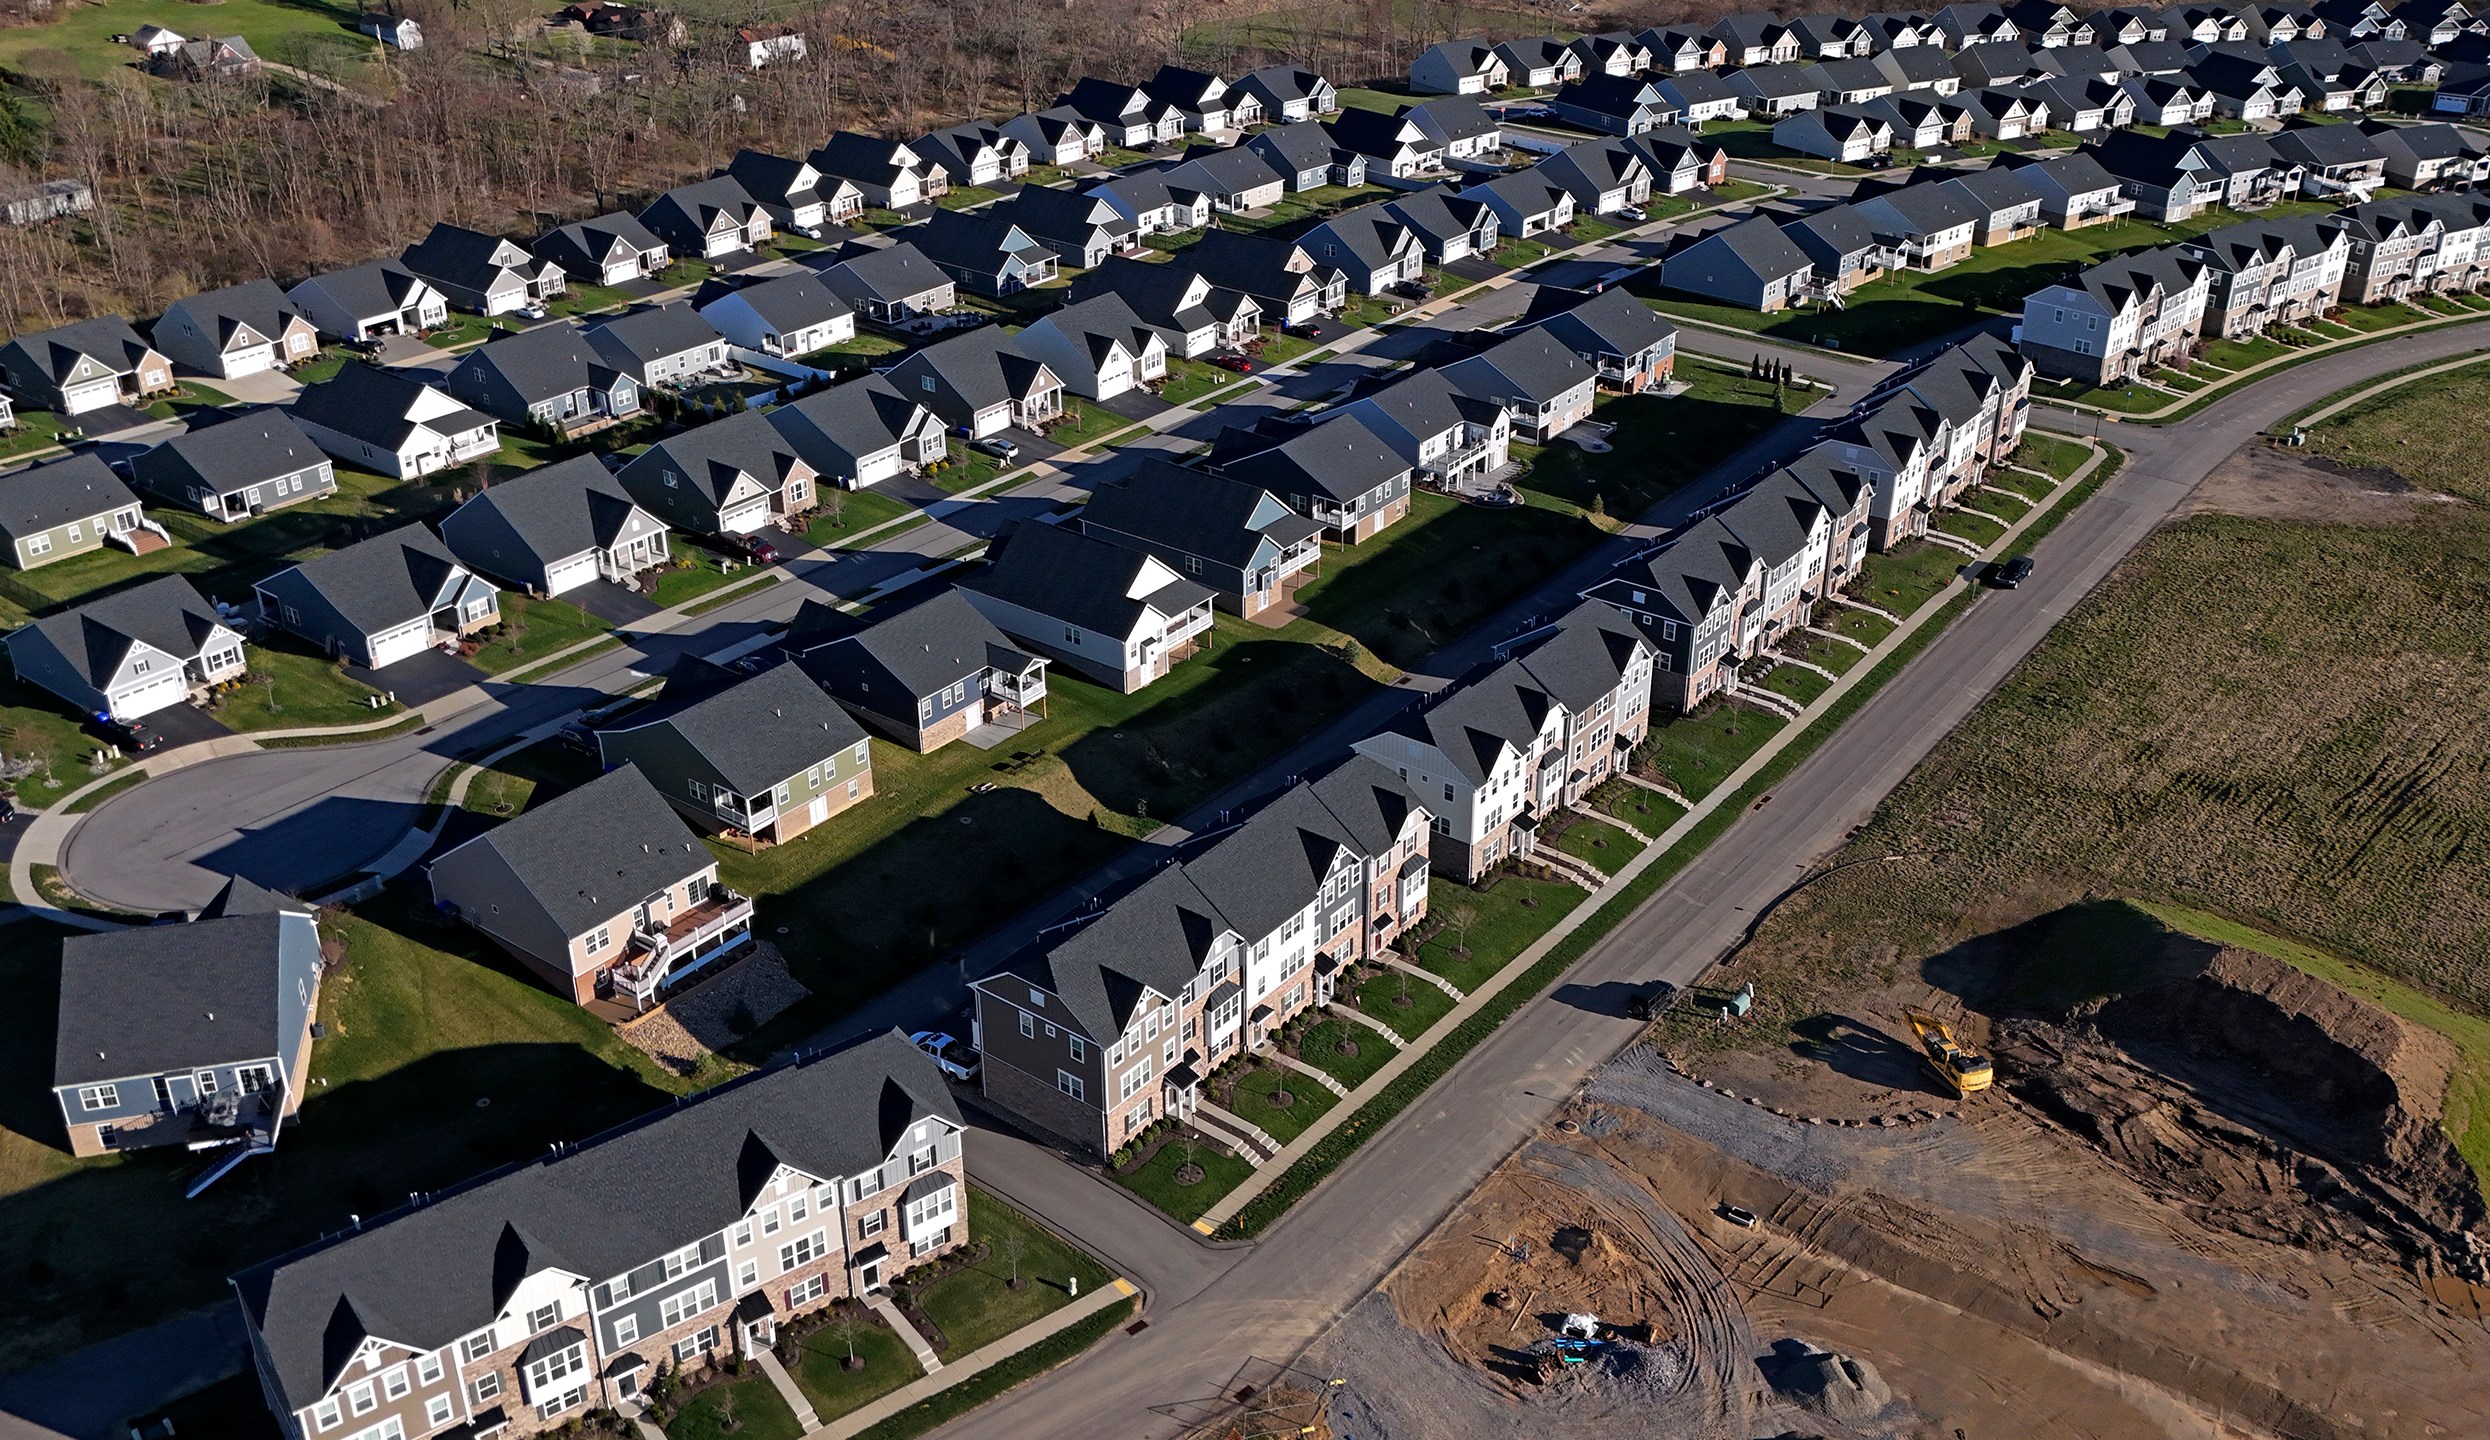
(769, 756)
(68, 507)
(130, 653)
(926, 676)
(556, 528)
(242, 466)
(382, 600)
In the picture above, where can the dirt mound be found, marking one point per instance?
(1842, 1387)
(2264, 1098)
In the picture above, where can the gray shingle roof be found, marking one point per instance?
(886, 276)
(258, 304)
(168, 613)
(936, 643)
(1532, 364)
(596, 851)
(378, 287)
(600, 240)
(1058, 572)
(387, 580)
(540, 364)
(561, 509)
(236, 450)
(46, 496)
(1169, 506)
(107, 339)
(788, 304)
(1340, 459)
(775, 178)
(170, 997)
(652, 334)
(711, 456)
(371, 402)
(1613, 320)
(429, 1275)
(1155, 938)
(984, 367)
(756, 732)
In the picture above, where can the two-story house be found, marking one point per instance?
(927, 675)
(1542, 384)
(1624, 342)
(1337, 472)
(767, 756)
(1219, 531)
(982, 382)
(1447, 436)
(483, 273)
(861, 433)
(1113, 615)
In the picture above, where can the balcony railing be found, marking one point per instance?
(1192, 623)
(658, 949)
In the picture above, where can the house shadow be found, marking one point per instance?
(308, 850)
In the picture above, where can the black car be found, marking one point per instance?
(2013, 573)
(129, 737)
(1648, 1002)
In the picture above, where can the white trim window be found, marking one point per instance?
(692, 1347)
(394, 1385)
(933, 1212)
(437, 1411)
(806, 1291)
(626, 1329)
(560, 1365)
(747, 1274)
(475, 1347)
(684, 1304)
(487, 1386)
(326, 1416)
(803, 1250)
(681, 1260)
(98, 1097)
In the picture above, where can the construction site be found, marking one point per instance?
(2181, 1189)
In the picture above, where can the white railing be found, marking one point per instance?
(1191, 624)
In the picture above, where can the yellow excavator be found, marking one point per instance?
(1957, 1068)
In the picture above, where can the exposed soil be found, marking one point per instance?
(2275, 483)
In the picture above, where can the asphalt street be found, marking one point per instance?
(1276, 1297)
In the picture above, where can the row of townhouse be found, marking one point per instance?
(1107, 1024)
(529, 1297)
(1725, 590)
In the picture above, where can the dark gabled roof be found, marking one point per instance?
(377, 287)
(1436, 211)
(885, 276)
(1222, 170)
(754, 732)
(1255, 264)
(711, 456)
(2433, 141)
(1586, 656)
(1286, 82)
(1154, 939)
(1777, 79)
(1476, 719)
(1991, 189)
(972, 240)
(1830, 233)
(1220, 518)
(1369, 232)
(561, 509)
(936, 643)
(466, 257)
(1304, 144)
(1833, 76)
(1339, 459)
(46, 496)
(1370, 802)
(541, 363)
(239, 896)
(1607, 163)
(862, 417)
(1064, 214)
(426, 1276)
(1372, 132)
(2326, 145)
(599, 238)
(1058, 572)
(387, 580)
(258, 304)
(775, 177)
(1925, 209)
(1614, 318)
(235, 450)
(588, 854)
(983, 367)
(1422, 402)
(651, 334)
(1528, 191)
(1161, 294)
(1534, 52)
(1273, 866)
(1694, 87)
(1181, 87)
(1452, 117)
(104, 338)
(1468, 57)
(1098, 323)
(371, 402)
(168, 613)
(172, 997)
(717, 195)
(851, 156)
(1530, 362)
(787, 303)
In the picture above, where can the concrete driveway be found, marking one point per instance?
(268, 387)
(406, 350)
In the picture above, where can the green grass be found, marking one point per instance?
(1318, 1045)
(1660, 444)
(34, 726)
(748, 1408)
(2053, 457)
(406, 726)
(1436, 572)
(1155, 1180)
(1190, 380)
(1309, 1101)
(1504, 918)
(974, 1305)
(1025, 1365)
(1300, 211)
(1085, 422)
(77, 43)
(1603, 846)
(696, 572)
(818, 1363)
(1697, 752)
(532, 629)
(103, 792)
(719, 600)
(289, 687)
(845, 514)
(1904, 578)
(1981, 530)
(1800, 685)
(1645, 810)
(517, 780)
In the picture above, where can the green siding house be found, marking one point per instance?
(68, 507)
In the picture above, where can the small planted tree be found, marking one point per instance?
(1461, 918)
(1014, 1248)
(845, 1325)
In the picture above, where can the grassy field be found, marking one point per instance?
(78, 43)
(975, 1305)
(1697, 752)
(819, 1367)
(1437, 572)
(1482, 930)
(39, 735)
(2174, 734)
(1659, 444)
(292, 688)
(532, 629)
(747, 1408)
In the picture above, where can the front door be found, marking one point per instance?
(820, 810)
(869, 1276)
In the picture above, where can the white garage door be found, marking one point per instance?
(389, 649)
(250, 361)
(570, 574)
(150, 696)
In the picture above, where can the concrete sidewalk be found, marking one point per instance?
(856, 1422)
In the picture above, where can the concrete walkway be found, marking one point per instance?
(857, 1421)
(1351, 1012)
(1319, 1077)
(924, 1353)
(784, 1384)
(1421, 972)
(1235, 1200)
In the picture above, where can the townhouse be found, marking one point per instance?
(1220, 531)
(927, 675)
(2118, 318)
(2261, 273)
(1521, 737)
(529, 1296)
(766, 757)
(2393, 248)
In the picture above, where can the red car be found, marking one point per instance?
(1237, 363)
(761, 551)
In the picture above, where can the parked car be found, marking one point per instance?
(128, 736)
(1305, 331)
(2011, 574)
(760, 551)
(996, 446)
(1648, 1002)
(1412, 289)
(578, 737)
(955, 1059)
(1237, 363)
(1634, 214)
(1737, 1215)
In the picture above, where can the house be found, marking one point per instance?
(130, 653)
(1082, 230)
(1392, 145)
(1228, 534)
(1116, 616)
(671, 346)
(1774, 90)
(70, 506)
(861, 433)
(2437, 22)
(555, 528)
(1522, 737)
(550, 376)
(365, 302)
(1374, 251)
(2333, 160)
(760, 46)
(1968, 25)
(1157, 204)
(2004, 202)
(1616, 104)
(731, 476)
(2430, 156)
(792, 193)
(2328, 78)
(1236, 179)
(2075, 191)
(45, 200)
(1450, 226)
(767, 756)
(393, 421)
(1602, 176)
(1919, 122)
(1985, 66)
(1308, 156)
(887, 173)
(1689, 596)
(1923, 68)
(1676, 50)
(196, 1035)
(1337, 472)
(1832, 37)
(984, 251)
(2262, 273)
(2115, 320)
(483, 273)
(1465, 131)
(982, 383)
(1057, 136)
(1097, 347)
(894, 284)
(1526, 202)
(1753, 39)
(2177, 176)
(1459, 67)
(1998, 113)
(2349, 20)
(786, 315)
(154, 41)
(243, 465)
(1445, 434)
(1891, 31)
(1190, 313)
(240, 330)
(1698, 96)
(1540, 62)
(2244, 88)
(929, 674)
(708, 219)
(1925, 227)
(1205, 101)
(1843, 247)
(1290, 93)
(84, 365)
(2048, 24)
(2204, 24)
(1612, 52)
(223, 57)
(380, 600)
(2085, 106)
(2401, 61)
(560, 1284)
(1750, 263)
(1127, 113)
(1537, 378)
(395, 31)
(603, 892)
(1102, 1027)
(1281, 276)
(610, 250)
(2166, 100)
(1848, 82)
(1836, 132)
(1626, 345)
(1679, 161)
(973, 154)
(2079, 62)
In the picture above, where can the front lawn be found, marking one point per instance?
(520, 779)
(1697, 752)
(1480, 930)
(1190, 380)
(2055, 458)
(532, 629)
(975, 1305)
(288, 686)
(1645, 810)
(1410, 1004)
(1981, 530)
(1155, 1180)
(1327, 1043)
(45, 747)
(818, 1361)
(745, 1408)
(695, 572)
(1908, 576)
(1599, 844)
(845, 514)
